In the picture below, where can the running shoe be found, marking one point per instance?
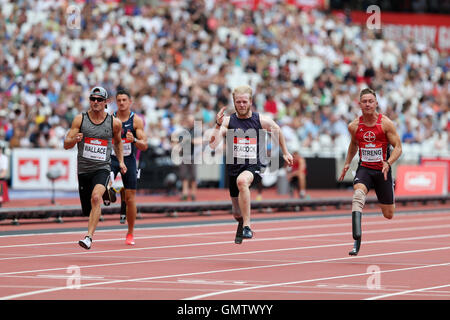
(130, 239)
(123, 218)
(247, 233)
(86, 242)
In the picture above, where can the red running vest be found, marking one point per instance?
(373, 144)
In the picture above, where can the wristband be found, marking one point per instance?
(134, 141)
(388, 164)
(218, 124)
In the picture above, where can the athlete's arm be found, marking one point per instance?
(118, 146)
(74, 135)
(272, 127)
(394, 140)
(352, 148)
(220, 128)
(140, 141)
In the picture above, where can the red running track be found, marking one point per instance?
(296, 259)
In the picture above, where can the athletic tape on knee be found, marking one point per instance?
(359, 199)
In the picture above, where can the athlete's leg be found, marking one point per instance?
(388, 210)
(302, 178)
(185, 189)
(85, 188)
(96, 201)
(236, 211)
(123, 206)
(193, 189)
(358, 201)
(384, 190)
(130, 199)
(244, 180)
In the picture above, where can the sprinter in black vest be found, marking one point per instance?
(244, 130)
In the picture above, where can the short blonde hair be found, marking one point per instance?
(243, 89)
(367, 91)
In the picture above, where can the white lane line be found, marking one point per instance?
(182, 235)
(208, 295)
(400, 218)
(221, 255)
(407, 292)
(227, 242)
(30, 293)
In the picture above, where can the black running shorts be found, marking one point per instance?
(86, 184)
(374, 179)
(232, 182)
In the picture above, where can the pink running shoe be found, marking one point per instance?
(130, 239)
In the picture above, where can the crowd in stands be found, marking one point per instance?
(176, 58)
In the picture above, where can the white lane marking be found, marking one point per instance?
(226, 242)
(406, 218)
(30, 293)
(407, 292)
(312, 280)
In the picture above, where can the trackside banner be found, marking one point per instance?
(433, 161)
(421, 180)
(264, 4)
(426, 29)
(31, 166)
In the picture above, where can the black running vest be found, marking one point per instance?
(243, 140)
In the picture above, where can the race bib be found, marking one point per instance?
(126, 148)
(95, 149)
(244, 148)
(371, 154)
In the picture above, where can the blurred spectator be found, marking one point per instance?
(270, 106)
(4, 164)
(184, 57)
(188, 168)
(297, 176)
(4, 167)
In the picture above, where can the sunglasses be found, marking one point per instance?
(96, 99)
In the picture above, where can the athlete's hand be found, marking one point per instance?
(220, 115)
(344, 171)
(129, 136)
(78, 137)
(289, 159)
(123, 168)
(385, 169)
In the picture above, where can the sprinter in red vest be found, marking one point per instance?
(372, 134)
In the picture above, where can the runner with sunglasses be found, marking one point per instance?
(93, 132)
